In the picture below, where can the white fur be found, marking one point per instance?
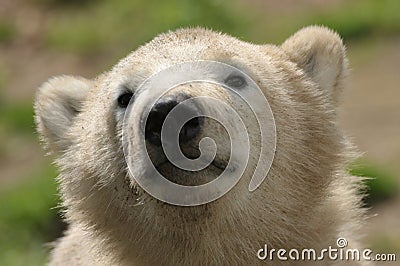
(308, 199)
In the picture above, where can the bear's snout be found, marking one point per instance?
(160, 111)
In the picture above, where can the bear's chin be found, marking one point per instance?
(190, 178)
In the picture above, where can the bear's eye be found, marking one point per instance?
(235, 81)
(123, 99)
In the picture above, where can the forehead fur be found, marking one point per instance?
(186, 45)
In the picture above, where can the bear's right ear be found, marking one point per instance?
(57, 103)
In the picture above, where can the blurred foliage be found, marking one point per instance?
(17, 118)
(7, 32)
(363, 18)
(104, 27)
(64, 3)
(386, 244)
(353, 20)
(380, 184)
(3, 79)
(110, 26)
(28, 219)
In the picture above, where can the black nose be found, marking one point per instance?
(160, 111)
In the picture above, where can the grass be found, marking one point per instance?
(386, 244)
(63, 3)
(28, 219)
(119, 24)
(115, 26)
(380, 184)
(17, 118)
(7, 32)
(355, 20)
(364, 18)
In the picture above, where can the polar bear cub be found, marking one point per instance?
(308, 200)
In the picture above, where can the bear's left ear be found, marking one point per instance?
(321, 54)
(57, 103)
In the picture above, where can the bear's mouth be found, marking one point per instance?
(190, 178)
(215, 163)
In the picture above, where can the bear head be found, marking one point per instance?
(81, 122)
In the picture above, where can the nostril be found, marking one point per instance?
(157, 116)
(190, 129)
(156, 119)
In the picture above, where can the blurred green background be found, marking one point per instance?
(42, 38)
